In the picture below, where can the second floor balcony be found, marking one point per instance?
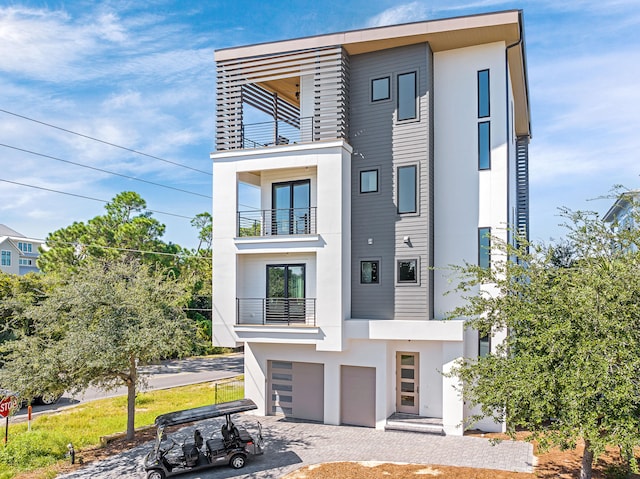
(276, 311)
(278, 222)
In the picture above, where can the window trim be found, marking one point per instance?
(416, 115)
(482, 167)
(286, 267)
(414, 282)
(415, 191)
(488, 92)
(378, 100)
(484, 233)
(370, 170)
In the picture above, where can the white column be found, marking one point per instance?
(452, 403)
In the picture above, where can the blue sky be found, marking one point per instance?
(142, 75)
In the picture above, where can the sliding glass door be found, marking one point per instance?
(285, 293)
(291, 201)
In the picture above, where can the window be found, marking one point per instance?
(380, 89)
(369, 181)
(369, 272)
(484, 247)
(484, 145)
(291, 208)
(25, 262)
(407, 94)
(484, 345)
(24, 247)
(407, 271)
(6, 258)
(483, 94)
(407, 189)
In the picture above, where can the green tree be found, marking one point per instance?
(568, 369)
(120, 233)
(97, 327)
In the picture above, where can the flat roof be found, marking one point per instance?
(443, 34)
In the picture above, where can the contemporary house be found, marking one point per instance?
(380, 157)
(18, 253)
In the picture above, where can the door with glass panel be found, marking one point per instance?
(291, 212)
(285, 300)
(407, 379)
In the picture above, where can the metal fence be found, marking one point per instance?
(229, 389)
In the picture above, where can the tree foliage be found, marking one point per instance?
(568, 369)
(96, 328)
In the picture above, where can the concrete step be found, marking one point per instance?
(410, 423)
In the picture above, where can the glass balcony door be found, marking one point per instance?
(285, 300)
(291, 212)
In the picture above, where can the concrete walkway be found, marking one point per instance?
(290, 445)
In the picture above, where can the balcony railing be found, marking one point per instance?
(288, 221)
(276, 311)
(282, 132)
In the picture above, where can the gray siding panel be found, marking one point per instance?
(381, 143)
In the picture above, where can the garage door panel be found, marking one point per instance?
(296, 389)
(358, 396)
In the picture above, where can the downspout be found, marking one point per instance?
(507, 116)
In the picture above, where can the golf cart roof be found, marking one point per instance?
(205, 412)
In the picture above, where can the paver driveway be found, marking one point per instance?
(290, 445)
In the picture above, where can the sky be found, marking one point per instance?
(141, 76)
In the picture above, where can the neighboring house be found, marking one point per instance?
(389, 154)
(18, 254)
(620, 215)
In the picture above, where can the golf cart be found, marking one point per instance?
(233, 448)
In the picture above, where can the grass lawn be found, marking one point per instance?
(83, 425)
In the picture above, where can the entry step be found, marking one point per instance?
(413, 423)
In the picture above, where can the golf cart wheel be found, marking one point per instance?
(237, 461)
(49, 398)
(156, 474)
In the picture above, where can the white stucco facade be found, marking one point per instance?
(325, 347)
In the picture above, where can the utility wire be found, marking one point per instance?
(105, 142)
(89, 198)
(103, 171)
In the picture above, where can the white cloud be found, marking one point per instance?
(408, 12)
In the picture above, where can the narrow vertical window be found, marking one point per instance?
(407, 202)
(484, 345)
(380, 89)
(407, 94)
(483, 94)
(484, 145)
(6, 258)
(408, 271)
(369, 181)
(484, 247)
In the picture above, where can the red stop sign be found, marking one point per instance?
(6, 405)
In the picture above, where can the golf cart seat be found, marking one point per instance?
(214, 446)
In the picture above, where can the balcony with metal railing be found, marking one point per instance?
(276, 311)
(285, 131)
(280, 222)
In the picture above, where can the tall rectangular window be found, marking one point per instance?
(6, 258)
(407, 271)
(407, 94)
(484, 247)
(407, 197)
(484, 145)
(484, 345)
(484, 108)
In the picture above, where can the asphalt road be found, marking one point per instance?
(167, 374)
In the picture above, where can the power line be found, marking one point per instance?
(89, 198)
(105, 142)
(102, 170)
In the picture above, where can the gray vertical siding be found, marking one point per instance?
(379, 141)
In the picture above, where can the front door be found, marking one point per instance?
(285, 293)
(291, 214)
(407, 382)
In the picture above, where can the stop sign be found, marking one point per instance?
(6, 405)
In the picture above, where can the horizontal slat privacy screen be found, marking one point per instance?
(238, 82)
